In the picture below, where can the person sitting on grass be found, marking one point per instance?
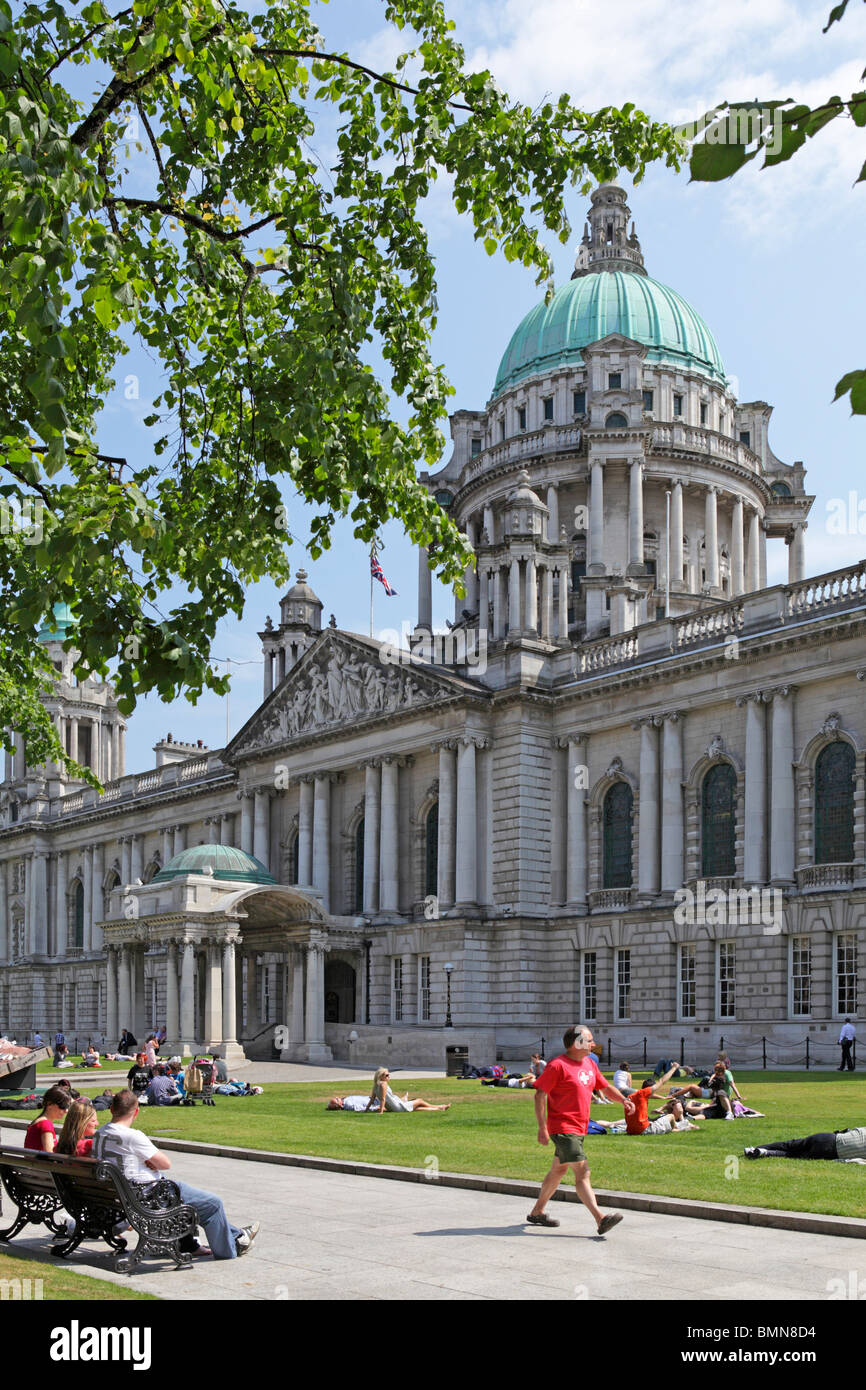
(90, 1056)
(41, 1134)
(162, 1089)
(622, 1080)
(702, 1090)
(720, 1090)
(383, 1097)
(845, 1145)
(79, 1127)
(638, 1122)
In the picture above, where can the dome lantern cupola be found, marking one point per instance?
(607, 243)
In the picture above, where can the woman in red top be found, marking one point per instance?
(41, 1134)
(79, 1127)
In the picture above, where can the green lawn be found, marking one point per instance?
(492, 1130)
(58, 1282)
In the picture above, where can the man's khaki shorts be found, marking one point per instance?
(569, 1148)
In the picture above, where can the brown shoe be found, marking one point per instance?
(608, 1223)
(542, 1220)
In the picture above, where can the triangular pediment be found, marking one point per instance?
(342, 681)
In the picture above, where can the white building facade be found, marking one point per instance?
(629, 788)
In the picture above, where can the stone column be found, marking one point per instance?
(595, 556)
(672, 803)
(136, 866)
(116, 770)
(546, 603)
(172, 996)
(635, 513)
(179, 839)
(797, 554)
(140, 1005)
(5, 953)
(498, 604)
(467, 825)
(120, 766)
(305, 832)
(531, 605)
(447, 822)
(755, 814)
(61, 908)
(711, 538)
(552, 514)
(112, 1024)
(762, 556)
(514, 597)
(246, 800)
(562, 625)
(229, 1020)
(425, 590)
(167, 845)
(471, 572)
(213, 998)
(753, 561)
(738, 578)
(73, 739)
(124, 990)
(322, 838)
(125, 862)
(254, 1021)
(389, 857)
(296, 1020)
(187, 996)
(39, 902)
(227, 829)
(782, 790)
(575, 844)
(484, 600)
(269, 671)
(262, 827)
(315, 1049)
(648, 817)
(677, 533)
(213, 829)
(372, 814)
(96, 903)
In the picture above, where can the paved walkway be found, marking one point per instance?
(257, 1073)
(333, 1236)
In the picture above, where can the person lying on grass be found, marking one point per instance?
(358, 1103)
(383, 1097)
(845, 1145)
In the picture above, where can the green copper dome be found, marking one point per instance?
(590, 307)
(226, 863)
(56, 626)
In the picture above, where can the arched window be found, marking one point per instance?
(112, 883)
(78, 915)
(618, 812)
(780, 490)
(616, 421)
(359, 866)
(431, 852)
(834, 804)
(718, 822)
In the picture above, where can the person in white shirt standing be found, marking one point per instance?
(846, 1042)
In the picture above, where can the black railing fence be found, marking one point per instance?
(757, 1053)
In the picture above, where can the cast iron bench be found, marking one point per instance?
(98, 1197)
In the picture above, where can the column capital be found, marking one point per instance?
(401, 759)
(649, 721)
(444, 744)
(674, 716)
(369, 762)
(758, 696)
(474, 740)
(784, 692)
(861, 675)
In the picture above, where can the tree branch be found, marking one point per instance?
(192, 218)
(85, 38)
(348, 63)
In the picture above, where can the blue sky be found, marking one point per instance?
(771, 259)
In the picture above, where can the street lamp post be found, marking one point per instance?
(448, 1020)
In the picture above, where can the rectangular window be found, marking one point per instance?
(397, 1001)
(703, 414)
(521, 417)
(746, 438)
(589, 989)
(548, 407)
(475, 448)
(614, 381)
(502, 428)
(726, 981)
(846, 973)
(424, 989)
(623, 984)
(648, 398)
(678, 405)
(686, 982)
(801, 976)
(579, 402)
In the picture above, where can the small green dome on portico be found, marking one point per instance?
(56, 625)
(217, 861)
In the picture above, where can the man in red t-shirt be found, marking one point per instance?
(563, 1094)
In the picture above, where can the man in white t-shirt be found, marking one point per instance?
(846, 1041)
(142, 1162)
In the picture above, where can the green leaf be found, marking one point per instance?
(709, 163)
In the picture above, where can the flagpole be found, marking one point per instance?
(371, 601)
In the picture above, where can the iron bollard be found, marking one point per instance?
(764, 1052)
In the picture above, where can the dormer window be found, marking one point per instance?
(548, 407)
(614, 381)
(521, 417)
(678, 405)
(475, 447)
(579, 402)
(616, 421)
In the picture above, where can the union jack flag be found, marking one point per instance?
(378, 573)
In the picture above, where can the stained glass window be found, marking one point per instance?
(834, 804)
(718, 822)
(618, 810)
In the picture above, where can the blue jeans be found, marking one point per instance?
(211, 1214)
